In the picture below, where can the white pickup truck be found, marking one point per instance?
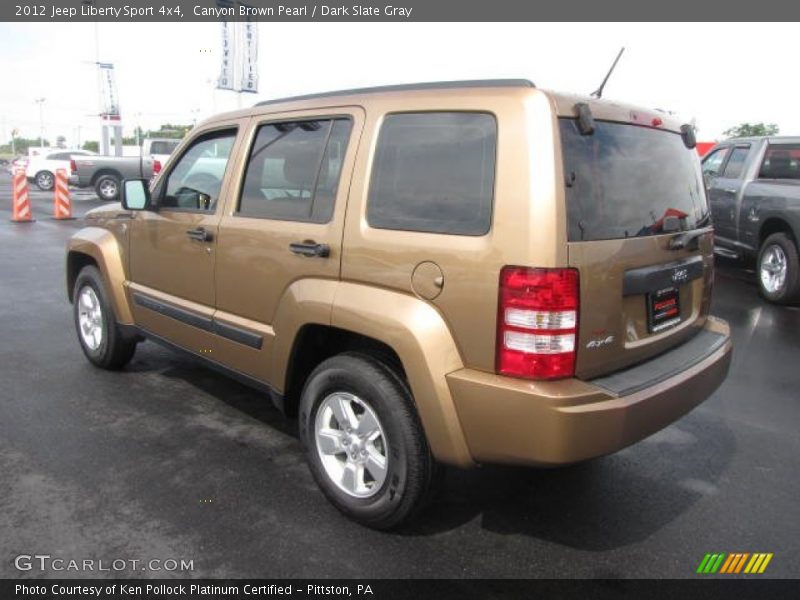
(106, 173)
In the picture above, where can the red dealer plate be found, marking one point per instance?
(663, 309)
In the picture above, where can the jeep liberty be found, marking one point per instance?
(437, 274)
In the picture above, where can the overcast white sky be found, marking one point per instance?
(166, 71)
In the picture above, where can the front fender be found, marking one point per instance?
(103, 248)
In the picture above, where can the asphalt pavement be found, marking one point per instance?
(169, 460)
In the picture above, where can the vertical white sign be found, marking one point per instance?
(225, 81)
(249, 81)
(108, 86)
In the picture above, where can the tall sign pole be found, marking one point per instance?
(109, 110)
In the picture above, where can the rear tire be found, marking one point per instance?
(99, 334)
(364, 443)
(778, 269)
(107, 187)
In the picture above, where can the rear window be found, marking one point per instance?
(622, 181)
(163, 147)
(434, 172)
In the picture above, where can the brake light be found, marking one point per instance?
(156, 167)
(73, 167)
(537, 322)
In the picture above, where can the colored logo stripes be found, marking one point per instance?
(737, 562)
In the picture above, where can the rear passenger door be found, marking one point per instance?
(724, 192)
(282, 227)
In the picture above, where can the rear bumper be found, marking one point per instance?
(560, 422)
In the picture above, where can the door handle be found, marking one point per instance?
(310, 248)
(200, 234)
(731, 190)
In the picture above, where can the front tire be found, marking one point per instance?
(364, 443)
(779, 269)
(44, 181)
(107, 187)
(100, 337)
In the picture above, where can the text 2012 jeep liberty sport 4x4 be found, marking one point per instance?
(456, 273)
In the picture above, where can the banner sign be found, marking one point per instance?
(249, 82)
(225, 81)
(108, 88)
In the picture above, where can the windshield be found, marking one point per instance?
(624, 180)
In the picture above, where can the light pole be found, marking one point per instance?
(40, 102)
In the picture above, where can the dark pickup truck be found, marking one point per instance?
(754, 192)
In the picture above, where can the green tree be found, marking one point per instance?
(751, 129)
(21, 145)
(91, 146)
(171, 131)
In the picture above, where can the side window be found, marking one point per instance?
(712, 164)
(434, 172)
(196, 179)
(781, 162)
(293, 170)
(735, 165)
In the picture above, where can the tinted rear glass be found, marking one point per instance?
(623, 180)
(781, 161)
(434, 172)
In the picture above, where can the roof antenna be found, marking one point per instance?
(598, 93)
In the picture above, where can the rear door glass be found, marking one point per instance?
(623, 180)
(781, 161)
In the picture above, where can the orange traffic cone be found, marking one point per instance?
(62, 203)
(20, 203)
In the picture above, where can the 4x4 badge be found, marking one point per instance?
(599, 342)
(680, 275)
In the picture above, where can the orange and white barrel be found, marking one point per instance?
(62, 203)
(20, 200)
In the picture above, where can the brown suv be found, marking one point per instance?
(454, 273)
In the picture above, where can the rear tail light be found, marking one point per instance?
(537, 322)
(73, 167)
(156, 167)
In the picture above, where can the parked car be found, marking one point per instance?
(41, 168)
(19, 163)
(754, 192)
(455, 273)
(105, 173)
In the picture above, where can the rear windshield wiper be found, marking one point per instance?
(681, 241)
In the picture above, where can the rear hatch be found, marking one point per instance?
(639, 236)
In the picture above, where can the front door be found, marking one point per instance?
(281, 235)
(172, 249)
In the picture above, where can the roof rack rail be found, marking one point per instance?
(433, 85)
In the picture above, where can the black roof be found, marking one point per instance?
(433, 85)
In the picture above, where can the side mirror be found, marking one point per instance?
(688, 136)
(135, 194)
